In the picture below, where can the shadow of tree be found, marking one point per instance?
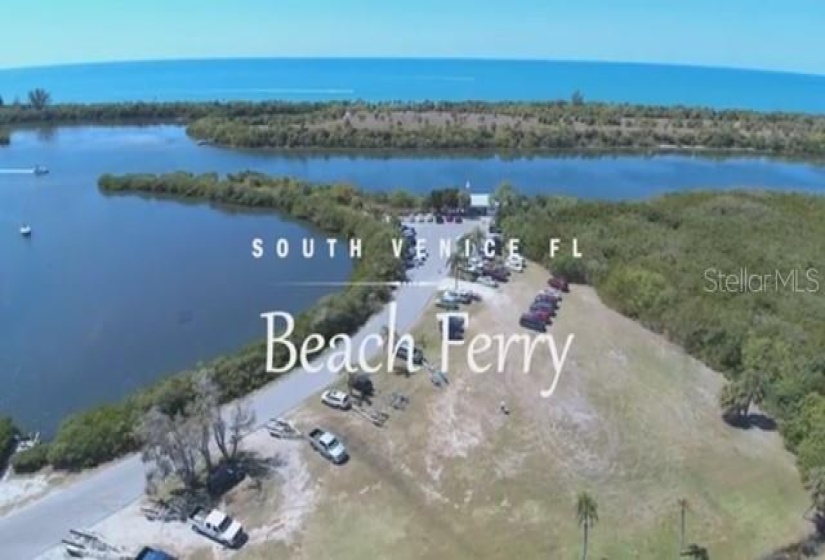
(807, 547)
(754, 420)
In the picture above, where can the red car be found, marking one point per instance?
(559, 283)
(543, 315)
(448, 217)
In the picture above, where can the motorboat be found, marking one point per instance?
(41, 170)
(25, 230)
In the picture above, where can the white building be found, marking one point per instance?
(481, 205)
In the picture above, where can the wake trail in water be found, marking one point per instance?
(12, 171)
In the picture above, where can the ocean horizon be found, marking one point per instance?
(418, 79)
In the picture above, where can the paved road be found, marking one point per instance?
(39, 526)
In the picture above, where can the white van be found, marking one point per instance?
(516, 262)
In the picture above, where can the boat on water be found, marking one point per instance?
(41, 170)
(25, 230)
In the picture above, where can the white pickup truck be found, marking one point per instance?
(217, 526)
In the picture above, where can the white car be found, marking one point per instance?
(487, 281)
(450, 296)
(336, 399)
(515, 265)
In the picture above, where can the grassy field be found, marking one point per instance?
(634, 422)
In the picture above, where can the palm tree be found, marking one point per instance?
(683, 507)
(456, 263)
(696, 552)
(754, 386)
(587, 513)
(476, 238)
(733, 401)
(39, 98)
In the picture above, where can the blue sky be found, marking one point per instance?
(766, 34)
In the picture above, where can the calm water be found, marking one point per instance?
(381, 79)
(113, 292)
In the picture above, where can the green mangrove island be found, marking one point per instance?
(574, 125)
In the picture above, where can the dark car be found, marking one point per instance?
(545, 312)
(554, 303)
(439, 219)
(449, 217)
(559, 283)
(545, 315)
(458, 219)
(418, 355)
(532, 322)
(148, 553)
(224, 478)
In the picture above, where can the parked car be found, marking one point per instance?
(224, 478)
(336, 399)
(447, 305)
(439, 219)
(559, 283)
(515, 265)
(547, 300)
(430, 218)
(149, 553)
(418, 354)
(532, 322)
(450, 296)
(217, 526)
(487, 281)
(449, 217)
(544, 315)
(328, 445)
(458, 219)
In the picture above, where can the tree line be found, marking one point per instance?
(650, 260)
(563, 125)
(105, 432)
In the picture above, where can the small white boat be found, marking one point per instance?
(41, 170)
(25, 230)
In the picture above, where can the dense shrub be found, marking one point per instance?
(429, 126)
(8, 439)
(31, 460)
(92, 437)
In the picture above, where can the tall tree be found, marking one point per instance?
(456, 262)
(577, 98)
(587, 514)
(229, 431)
(39, 98)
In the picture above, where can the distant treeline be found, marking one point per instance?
(659, 261)
(108, 431)
(5, 137)
(503, 126)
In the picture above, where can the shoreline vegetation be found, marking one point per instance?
(106, 432)
(500, 127)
